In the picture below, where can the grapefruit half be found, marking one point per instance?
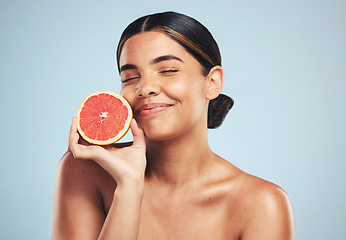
(103, 117)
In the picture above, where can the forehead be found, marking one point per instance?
(149, 45)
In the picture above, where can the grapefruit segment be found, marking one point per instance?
(103, 117)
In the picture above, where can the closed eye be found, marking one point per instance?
(128, 79)
(169, 71)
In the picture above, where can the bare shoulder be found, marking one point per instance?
(262, 191)
(78, 170)
(261, 208)
(82, 177)
(266, 209)
(69, 166)
(78, 211)
(251, 189)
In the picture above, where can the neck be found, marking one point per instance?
(180, 160)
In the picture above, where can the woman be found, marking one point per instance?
(167, 184)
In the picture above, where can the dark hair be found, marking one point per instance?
(196, 39)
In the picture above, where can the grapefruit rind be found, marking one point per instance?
(123, 131)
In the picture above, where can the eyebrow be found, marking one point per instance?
(127, 67)
(154, 61)
(165, 58)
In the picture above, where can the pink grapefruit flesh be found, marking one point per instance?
(103, 117)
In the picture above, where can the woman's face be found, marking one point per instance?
(164, 85)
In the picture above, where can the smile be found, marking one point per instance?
(152, 109)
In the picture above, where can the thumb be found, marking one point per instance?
(138, 135)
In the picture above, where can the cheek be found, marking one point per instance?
(128, 95)
(186, 87)
(176, 89)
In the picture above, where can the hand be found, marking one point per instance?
(125, 165)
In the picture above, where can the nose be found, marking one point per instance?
(148, 86)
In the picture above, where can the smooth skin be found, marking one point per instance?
(167, 184)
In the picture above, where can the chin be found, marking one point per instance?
(157, 134)
(164, 129)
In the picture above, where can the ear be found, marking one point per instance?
(214, 82)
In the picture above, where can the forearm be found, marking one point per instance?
(122, 221)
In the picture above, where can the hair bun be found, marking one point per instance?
(218, 109)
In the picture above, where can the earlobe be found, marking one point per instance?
(215, 82)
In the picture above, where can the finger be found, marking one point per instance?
(73, 134)
(78, 150)
(82, 141)
(138, 135)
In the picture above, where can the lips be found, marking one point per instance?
(152, 108)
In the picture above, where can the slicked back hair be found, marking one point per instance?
(196, 39)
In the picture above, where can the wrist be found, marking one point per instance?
(130, 188)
